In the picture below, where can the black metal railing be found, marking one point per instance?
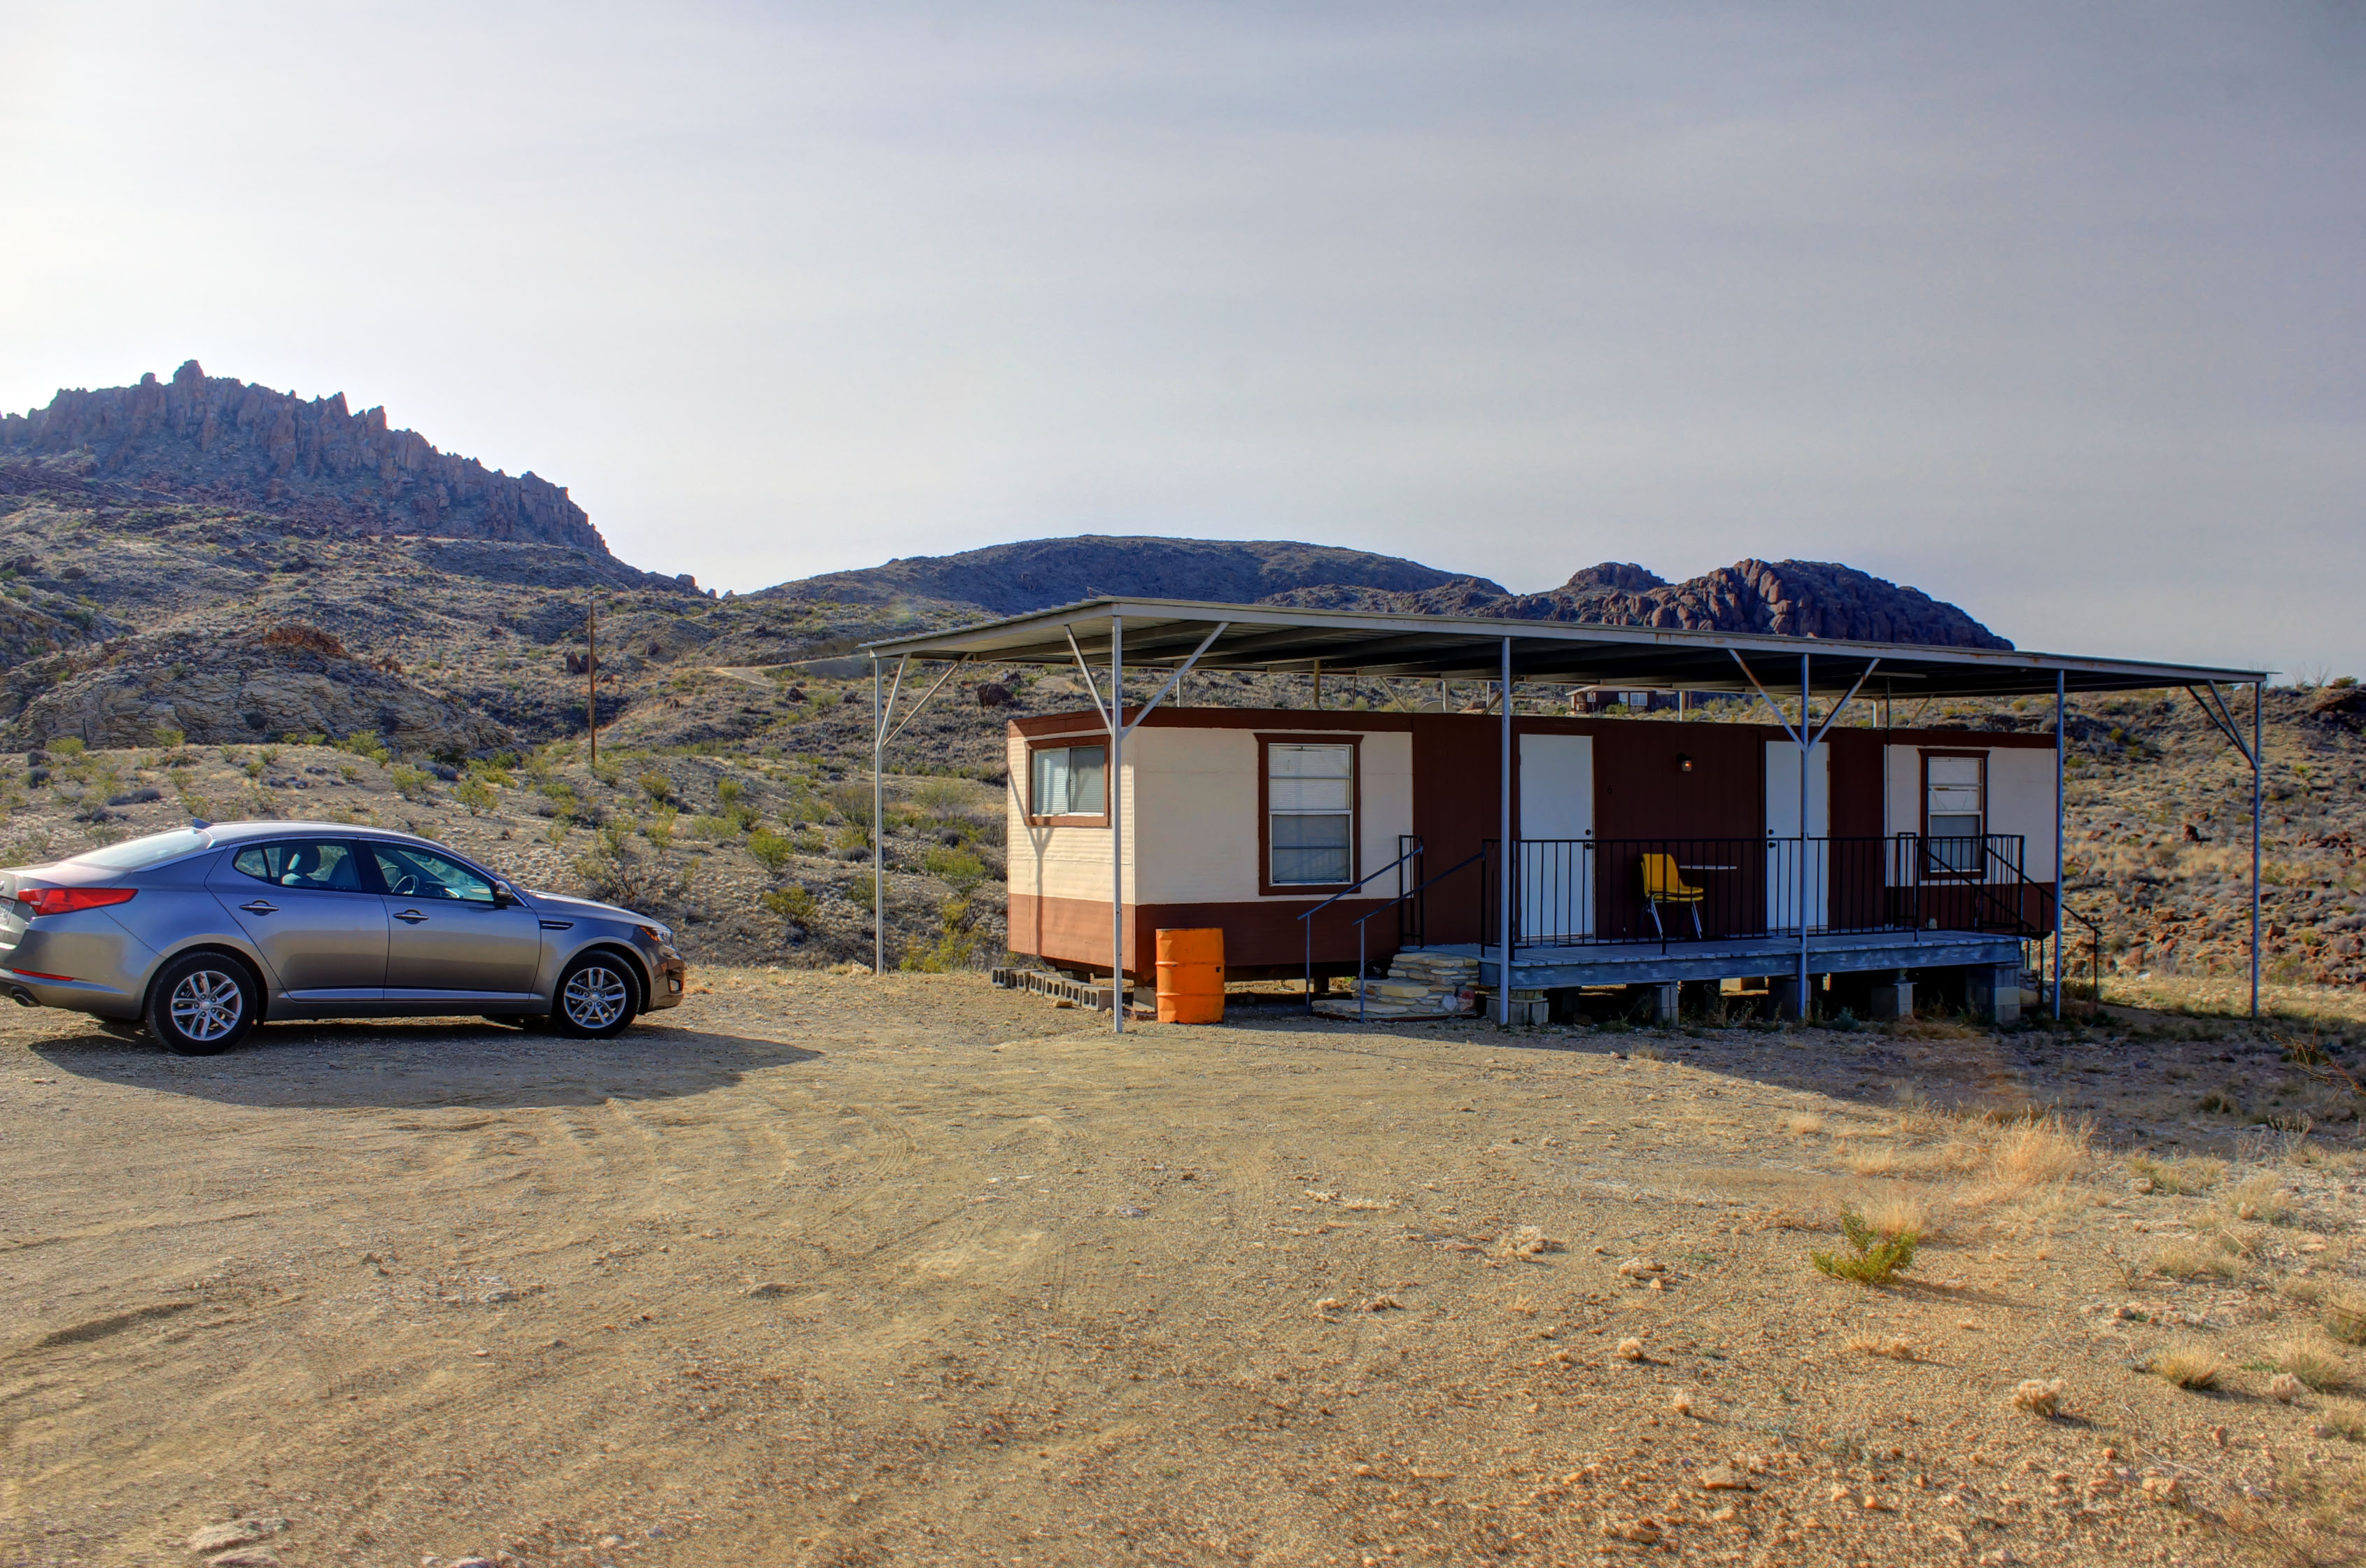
(1409, 847)
(1585, 892)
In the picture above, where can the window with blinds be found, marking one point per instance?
(1954, 812)
(1310, 798)
(1071, 781)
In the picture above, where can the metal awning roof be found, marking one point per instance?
(1164, 632)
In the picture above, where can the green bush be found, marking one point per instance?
(65, 746)
(168, 737)
(476, 795)
(1872, 1258)
(367, 746)
(656, 786)
(410, 783)
(958, 869)
(794, 905)
(772, 851)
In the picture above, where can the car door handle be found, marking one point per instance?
(260, 907)
(411, 917)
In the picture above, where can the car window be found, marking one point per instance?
(417, 873)
(139, 854)
(322, 865)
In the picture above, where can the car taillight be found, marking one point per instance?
(66, 900)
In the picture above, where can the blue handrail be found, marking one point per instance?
(1356, 887)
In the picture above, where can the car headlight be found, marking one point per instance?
(661, 935)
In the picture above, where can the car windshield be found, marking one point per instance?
(139, 854)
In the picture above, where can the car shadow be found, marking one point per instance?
(412, 1063)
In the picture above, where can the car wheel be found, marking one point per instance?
(595, 997)
(201, 1005)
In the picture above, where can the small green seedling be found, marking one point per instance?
(1872, 1258)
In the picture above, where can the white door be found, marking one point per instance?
(1556, 837)
(1786, 852)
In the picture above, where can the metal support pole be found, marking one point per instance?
(2061, 691)
(1806, 744)
(1118, 993)
(2258, 772)
(878, 825)
(1511, 856)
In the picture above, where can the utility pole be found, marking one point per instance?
(592, 675)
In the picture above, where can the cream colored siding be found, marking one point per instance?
(2020, 797)
(2020, 800)
(1190, 799)
(1196, 840)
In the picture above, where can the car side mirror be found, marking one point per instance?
(502, 896)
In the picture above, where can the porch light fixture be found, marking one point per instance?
(1685, 762)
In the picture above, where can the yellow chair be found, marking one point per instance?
(1664, 882)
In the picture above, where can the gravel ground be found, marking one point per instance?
(827, 1269)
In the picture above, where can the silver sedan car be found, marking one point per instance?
(202, 933)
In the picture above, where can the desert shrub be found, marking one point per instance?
(476, 795)
(792, 904)
(615, 873)
(1872, 1257)
(851, 801)
(2040, 1150)
(656, 786)
(409, 783)
(716, 829)
(65, 746)
(941, 799)
(607, 773)
(959, 944)
(367, 746)
(958, 869)
(658, 828)
(862, 893)
(772, 851)
(2189, 1366)
(171, 740)
(2186, 1177)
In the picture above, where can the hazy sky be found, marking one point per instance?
(2059, 312)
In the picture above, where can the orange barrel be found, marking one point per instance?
(1191, 976)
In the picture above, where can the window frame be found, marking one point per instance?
(1267, 887)
(365, 869)
(1932, 870)
(1062, 743)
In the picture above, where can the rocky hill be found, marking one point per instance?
(1792, 598)
(208, 438)
(1036, 574)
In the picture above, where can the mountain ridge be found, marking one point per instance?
(208, 438)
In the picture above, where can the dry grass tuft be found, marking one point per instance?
(2193, 1367)
(1800, 1125)
(2186, 1178)
(2184, 1260)
(2039, 1396)
(2038, 1150)
(2312, 1362)
(1630, 1350)
(2284, 1387)
(2342, 1419)
(1898, 1211)
(1882, 1345)
(1682, 1403)
(2344, 1318)
(2260, 1198)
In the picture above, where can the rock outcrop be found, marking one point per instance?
(289, 680)
(1790, 598)
(207, 438)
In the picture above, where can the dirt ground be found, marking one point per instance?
(824, 1269)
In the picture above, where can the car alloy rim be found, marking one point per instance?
(595, 997)
(206, 1005)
